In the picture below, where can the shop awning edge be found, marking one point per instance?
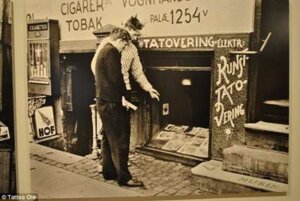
(78, 46)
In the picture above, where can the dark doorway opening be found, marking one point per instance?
(273, 64)
(79, 122)
(184, 95)
(179, 122)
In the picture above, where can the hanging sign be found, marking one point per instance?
(45, 124)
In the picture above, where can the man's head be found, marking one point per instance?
(119, 38)
(134, 26)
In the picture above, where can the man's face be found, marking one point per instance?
(134, 34)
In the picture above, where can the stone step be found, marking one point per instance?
(54, 154)
(266, 135)
(276, 111)
(170, 156)
(255, 162)
(213, 177)
(284, 103)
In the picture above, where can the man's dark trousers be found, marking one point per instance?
(115, 141)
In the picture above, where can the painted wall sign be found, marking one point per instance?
(78, 18)
(185, 42)
(45, 124)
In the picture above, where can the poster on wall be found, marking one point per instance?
(45, 124)
(208, 108)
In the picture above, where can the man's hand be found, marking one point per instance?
(127, 104)
(154, 94)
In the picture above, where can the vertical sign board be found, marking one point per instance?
(229, 96)
(45, 124)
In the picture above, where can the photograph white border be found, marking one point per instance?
(20, 97)
(21, 118)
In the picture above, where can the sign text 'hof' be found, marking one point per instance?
(45, 124)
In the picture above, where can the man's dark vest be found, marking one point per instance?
(109, 79)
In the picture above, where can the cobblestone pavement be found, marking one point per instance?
(161, 178)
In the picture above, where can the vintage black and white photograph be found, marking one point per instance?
(194, 100)
(7, 132)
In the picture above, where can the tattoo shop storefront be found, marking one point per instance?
(203, 86)
(198, 61)
(195, 53)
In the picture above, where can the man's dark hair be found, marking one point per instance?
(134, 23)
(119, 33)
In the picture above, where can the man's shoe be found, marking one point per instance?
(109, 178)
(132, 183)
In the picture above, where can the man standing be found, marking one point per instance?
(110, 89)
(130, 59)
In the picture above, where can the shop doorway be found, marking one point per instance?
(180, 121)
(273, 64)
(82, 93)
